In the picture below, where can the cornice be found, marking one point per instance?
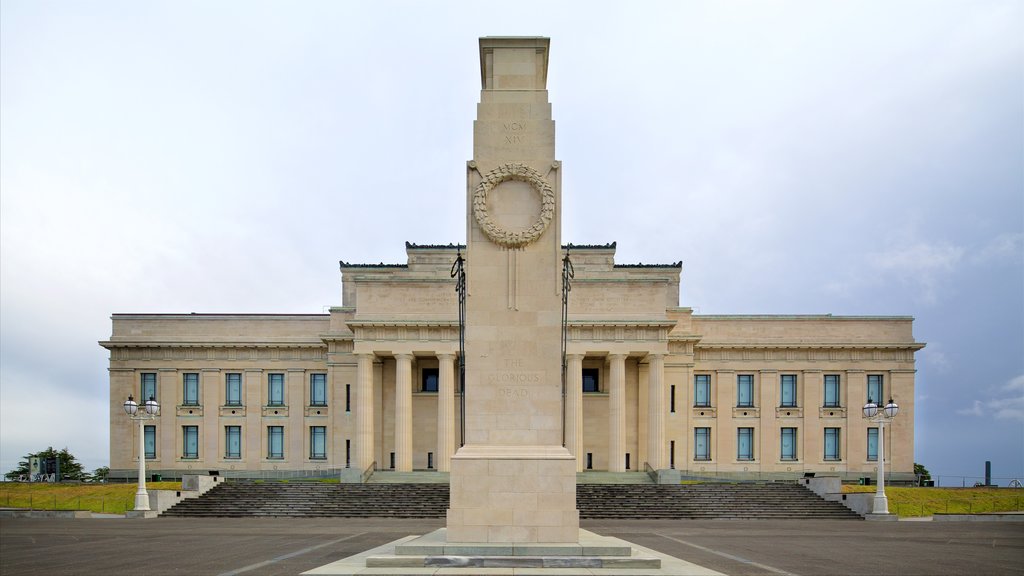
(805, 346)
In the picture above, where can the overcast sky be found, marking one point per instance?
(859, 158)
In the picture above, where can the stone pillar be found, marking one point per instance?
(364, 411)
(403, 413)
(617, 413)
(445, 411)
(574, 408)
(656, 411)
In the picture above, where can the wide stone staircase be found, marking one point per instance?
(392, 500)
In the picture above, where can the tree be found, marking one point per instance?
(921, 472)
(70, 469)
(100, 474)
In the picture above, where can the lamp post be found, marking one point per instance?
(149, 411)
(881, 415)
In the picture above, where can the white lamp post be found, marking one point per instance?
(881, 415)
(150, 410)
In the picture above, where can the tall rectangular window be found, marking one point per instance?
(872, 443)
(744, 443)
(787, 387)
(875, 389)
(318, 442)
(702, 390)
(232, 441)
(150, 432)
(590, 380)
(429, 380)
(831, 390)
(702, 443)
(745, 390)
(672, 454)
(832, 444)
(275, 442)
(233, 389)
(348, 397)
(275, 395)
(672, 398)
(788, 448)
(190, 394)
(148, 389)
(190, 441)
(318, 389)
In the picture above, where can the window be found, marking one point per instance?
(832, 444)
(318, 389)
(745, 390)
(702, 443)
(591, 382)
(190, 441)
(233, 391)
(672, 398)
(348, 453)
(148, 387)
(744, 443)
(702, 390)
(672, 454)
(348, 397)
(429, 378)
(191, 393)
(875, 389)
(788, 390)
(150, 433)
(276, 392)
(788, 451)
(831, 390)
(318, 442)
(872, 443)
(275, 442)
(232, 441)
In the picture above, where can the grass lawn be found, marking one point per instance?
(909, 502)
(109, 498)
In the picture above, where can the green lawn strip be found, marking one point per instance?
(101, 498)
(915, 502)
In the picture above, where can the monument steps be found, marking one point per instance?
(595, 501)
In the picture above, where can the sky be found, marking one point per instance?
(853, 158)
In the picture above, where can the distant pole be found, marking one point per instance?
(988, 472)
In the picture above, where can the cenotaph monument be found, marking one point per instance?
(513, 480)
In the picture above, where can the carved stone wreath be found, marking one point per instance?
(522, 173)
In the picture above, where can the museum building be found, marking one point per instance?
(374, 384)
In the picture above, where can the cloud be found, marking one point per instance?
(921, 263)
(935, 358)
(1006, 247)
(1003, 408)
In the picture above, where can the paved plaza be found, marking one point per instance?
(256, 547)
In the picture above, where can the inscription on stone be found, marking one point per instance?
(513, 131)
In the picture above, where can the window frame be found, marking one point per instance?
(792, 431)
(829, 381)
(314, 432)
(143, 385)
(278, 379)
(702, 381)
(593, 375)
(426, 374)
(744, 381)
(237, 430)
(837, 456)
(749, 432)
(872, 435)
(698, 456)
(318, 380)
(187, 431)
(149, 439)
(272, 432)
(228, 381)
(879, 381)
(185, 389)
(787, 381)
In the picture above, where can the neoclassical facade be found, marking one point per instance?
(375, 383)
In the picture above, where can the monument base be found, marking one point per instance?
(513, 494)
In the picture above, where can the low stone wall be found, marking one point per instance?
(192, 486)
(831, 488)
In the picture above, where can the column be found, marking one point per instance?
(656, 411)
(574, 408)
(403, 413)
(364, 411)
(445, 411)
(617, 413)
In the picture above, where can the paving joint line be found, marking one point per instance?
(729, 556)
(287, 556)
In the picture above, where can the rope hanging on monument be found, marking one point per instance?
(568, 273)
(459, 273)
